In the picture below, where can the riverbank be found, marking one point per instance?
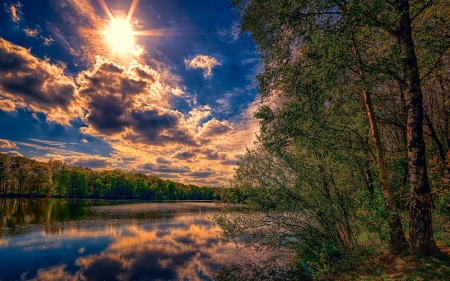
(407, 267)
(41, 196)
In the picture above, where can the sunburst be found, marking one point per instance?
(119, 34)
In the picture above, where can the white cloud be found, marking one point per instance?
(202, 62)
(231, 34)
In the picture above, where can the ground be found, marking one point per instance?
(405, 268)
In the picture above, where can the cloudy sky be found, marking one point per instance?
(164, 87)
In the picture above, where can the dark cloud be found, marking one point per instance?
(108, 114)
(169, 176)
(33, 82)
(161, 160)
(142, 73)
(184, 154)
(159, 127)
(204, 174)
(151, 122)
(212, 154)
(91, 163)
(121, 101)
(109, 67)
(165, 168)
(229, 162)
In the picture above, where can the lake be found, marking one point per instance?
(62, 239)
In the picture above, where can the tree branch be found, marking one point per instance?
(421, 10)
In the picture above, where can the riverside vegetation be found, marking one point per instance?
(22, 176)
(350, 172)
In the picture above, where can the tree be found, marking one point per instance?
(5, 164)
(297, 36)
(40, 178)
(21, 169)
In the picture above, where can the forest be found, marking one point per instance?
(352, 161)
(22, 176)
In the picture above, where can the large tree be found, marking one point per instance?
(374, 41)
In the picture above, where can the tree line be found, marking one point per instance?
(355, 128)
(20, 176)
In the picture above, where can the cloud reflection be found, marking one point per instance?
(181, 244)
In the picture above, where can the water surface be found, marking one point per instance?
(58, 239)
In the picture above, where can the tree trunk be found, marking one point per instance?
(397, 236)
(420, 221)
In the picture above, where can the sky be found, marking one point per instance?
(163, 87)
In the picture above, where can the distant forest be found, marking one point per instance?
(21, 176)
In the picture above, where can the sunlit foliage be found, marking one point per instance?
(24, 176)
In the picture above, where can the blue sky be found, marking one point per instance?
(166, 88)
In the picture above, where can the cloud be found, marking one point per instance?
(165, 168)
(229, 162)
(214, 128)
(160, 126)
(213, 154)
(28, 81)
(203, 62)
(201, 174)
(7, 105)
(133, 104)
(231, 34)
(56, 273)
(130, 106)
(161, 160)
(7, 144)
(63, 40)
(15, 10)
(56, 151)
(92, 162)
(249, 61)
(118, 97)
(87, 40)
(14, 153)
(47, 41)
(161, 249)
(31, 32)
(183, 154)
(52, 143)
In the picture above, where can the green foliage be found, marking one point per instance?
(312, 183)
(24, 176)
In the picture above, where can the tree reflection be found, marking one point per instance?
(121, 242)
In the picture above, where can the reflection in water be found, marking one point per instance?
(67, 240)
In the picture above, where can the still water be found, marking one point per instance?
(60, 239)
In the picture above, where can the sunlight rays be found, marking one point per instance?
(120, 34)
(131, 10)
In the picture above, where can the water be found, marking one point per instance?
(59, 239)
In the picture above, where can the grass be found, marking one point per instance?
(405, 268)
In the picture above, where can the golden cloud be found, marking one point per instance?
(202, 62)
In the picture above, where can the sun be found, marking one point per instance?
(120, 36)
(119, 33)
